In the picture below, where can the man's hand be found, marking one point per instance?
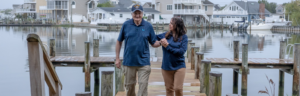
(118, 63)
(164, 42)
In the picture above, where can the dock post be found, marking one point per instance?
(84, 94)
(189, 47)
(87, 65)
(189, 51)
(107, 83)
(204, 76)
(52, 47)
(244, 69)
(194, 49)
(200, 57)
(215, 84)
(96, 54)
(235, 71)
(281, 73)
(295, 68)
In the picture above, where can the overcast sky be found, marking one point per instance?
(8, 3)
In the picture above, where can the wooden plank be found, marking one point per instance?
(107, 83)
(36, 69)
(49, 80)
(35, 38)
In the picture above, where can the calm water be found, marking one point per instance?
(69, 42)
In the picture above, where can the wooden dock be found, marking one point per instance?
(199, 80)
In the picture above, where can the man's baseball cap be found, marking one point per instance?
(136, 7)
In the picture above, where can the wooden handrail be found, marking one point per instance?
(41, 69)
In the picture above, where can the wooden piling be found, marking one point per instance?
(87, 66)
(200, 57)
(52, 47)
(107, 83)
(96, 54)
(281, 73)
(189, 47)
(84, 94)
(235, 71)
(194, 49)
(204, 76)
(233, 95)
(189, 51)
(244, 69)
(296, 70)
(215, 84)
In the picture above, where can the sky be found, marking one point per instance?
(9, 3)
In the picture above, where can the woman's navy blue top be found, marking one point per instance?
(173, 54)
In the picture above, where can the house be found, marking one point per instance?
(239, 10)
(148, 5)
(118, 3)
(280, 10)
(120, 15)
(189, 10)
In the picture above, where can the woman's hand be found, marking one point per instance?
(164, 42)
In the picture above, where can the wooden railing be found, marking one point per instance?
(41, 69)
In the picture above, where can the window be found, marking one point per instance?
(205, 8)
(113, 2)
(179, 6)
(152, 16)
(191, 7)
(199, 7)
(229, 8)
(112, 14)
(176, 6)
(169, 7)
(279, 10)
(91, 5)
(121, 15)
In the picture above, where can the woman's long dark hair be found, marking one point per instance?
(179, 29)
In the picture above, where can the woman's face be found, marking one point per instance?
(171, 25)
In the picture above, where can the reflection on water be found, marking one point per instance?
(70, 42)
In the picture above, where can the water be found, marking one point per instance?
(70, 42)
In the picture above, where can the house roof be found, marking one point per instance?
(147, 3)
(252, 7)
(207, 2)
(115, 9)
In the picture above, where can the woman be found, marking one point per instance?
(174, 44)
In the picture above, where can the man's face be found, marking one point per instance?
(137, 15)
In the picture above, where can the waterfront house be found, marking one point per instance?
(189, 10)
(239, 10)
(115, 15)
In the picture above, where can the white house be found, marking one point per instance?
(120, 15)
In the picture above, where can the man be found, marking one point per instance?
(137, 33)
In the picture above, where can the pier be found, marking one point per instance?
(199, 79)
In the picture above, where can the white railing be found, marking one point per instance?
(229, 12)
(188, 11)
(24, 10)
(188, 1)
(29, 1)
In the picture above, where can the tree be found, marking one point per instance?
(106, 4)
(293, 11)
(136, 2)
(223, 7)
(7, 11)
(271, 7)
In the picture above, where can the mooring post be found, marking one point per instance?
(233, 95)
(189, 51)
(200, 57)
(244, 69)
(281, 73)
(96, 54)
(204, 76)
(87, 65)
(194, 49)
(295, 68)
(107, 83)
(215, 84)
(52, 47)
(235, 71)
(189, 47)
(84, 94)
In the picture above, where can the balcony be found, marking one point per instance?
(192, 2)
(25, 10)
(189, 11)
(230, 13)
(29, 1)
